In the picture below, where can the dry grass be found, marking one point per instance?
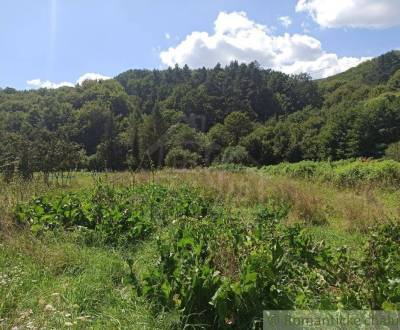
(226, 261)
(310, 203)
(360, 210)
(306, 202)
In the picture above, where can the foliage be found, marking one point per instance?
(235, 155)
(382, 263)
(342, 173)
(177, 250)
(136, 119)
(237, 125)
(393, 151)
(180, 158)
(223, 274)
(114, 216)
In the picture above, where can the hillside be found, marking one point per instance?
(370, 79)
(373, 72)
(240, 114)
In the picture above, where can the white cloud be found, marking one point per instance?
(167, 36)
(352, 13)
(38, 83)
(286, 21)
(236, 37)
(91, 76)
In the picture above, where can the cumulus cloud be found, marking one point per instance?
(38, 83)
(167, 36)
(352, 13)
(286, 21)
(236, 37)
(91, 76)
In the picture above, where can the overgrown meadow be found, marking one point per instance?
(199, 249)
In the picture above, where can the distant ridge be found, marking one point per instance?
(373, 72)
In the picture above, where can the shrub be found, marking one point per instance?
(180, 158)
(393, 151)
(235, 155)
(346, 173)
(371, 172)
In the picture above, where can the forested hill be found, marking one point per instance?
(218, 92)
(371, 73)
(369, 79)
(181, 117)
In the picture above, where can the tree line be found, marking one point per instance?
(241, 114)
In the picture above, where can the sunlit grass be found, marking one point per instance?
(57, 281)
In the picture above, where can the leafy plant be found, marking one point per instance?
(116, 216)
(382, 265)
(222, 273)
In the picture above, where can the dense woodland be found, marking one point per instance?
(241, 114)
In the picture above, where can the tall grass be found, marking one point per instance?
(59, 280)
(56, 281)
(58, 284)
(342, 173)
(309, 201)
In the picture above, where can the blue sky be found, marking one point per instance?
(58, 41)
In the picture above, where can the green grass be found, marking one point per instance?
(64, 277)
(51, 283)
(339, 238)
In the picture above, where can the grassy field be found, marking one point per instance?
(193, 249)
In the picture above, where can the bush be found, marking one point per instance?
(393, 151)
(345, 173)
(180, 158)
(372, 172)
(235, 155)
(229, 167)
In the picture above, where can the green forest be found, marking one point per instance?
(239, 114)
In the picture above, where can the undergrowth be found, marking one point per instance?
(205, 268)
(344, 173)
